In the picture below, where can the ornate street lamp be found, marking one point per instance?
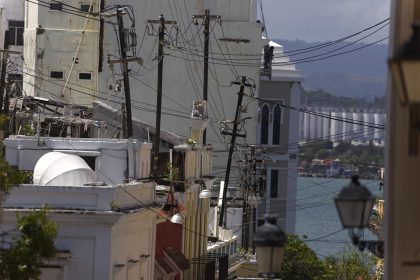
(354, 204)
(269, 241)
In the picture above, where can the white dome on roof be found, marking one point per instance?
(60, 169)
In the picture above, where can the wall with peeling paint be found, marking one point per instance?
(53, 41)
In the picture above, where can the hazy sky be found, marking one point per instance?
(322, 20)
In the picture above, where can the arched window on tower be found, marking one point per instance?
(276, 125)
(265, 112)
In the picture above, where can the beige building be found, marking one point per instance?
(402, 232)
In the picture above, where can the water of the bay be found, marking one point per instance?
(316, 215)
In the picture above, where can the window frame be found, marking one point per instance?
(56, 71)
(276, 127)
(265, 127)
(56, 4)
(85, 73)
(274, 189)
(15, 28)
(82, 5)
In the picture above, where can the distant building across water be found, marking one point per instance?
(342, 124)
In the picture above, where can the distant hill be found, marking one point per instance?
(360, 74)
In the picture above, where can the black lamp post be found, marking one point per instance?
(269, 241)
(354, 204)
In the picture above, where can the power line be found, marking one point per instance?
(346, 120)
(312, 48)
(79, 13)
(292, 62)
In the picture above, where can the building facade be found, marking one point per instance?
(326, 123)
(12, 21)
(105, 230)
(68, 46)
(277, 132)
(61, 50)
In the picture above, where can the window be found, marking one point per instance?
(57, 74)
(262, 182)
(264, 124)
(274, 183)
(85, 76)
(16, 33)
(276, 125)
(56, 6)
(86, 8)
(15, 82)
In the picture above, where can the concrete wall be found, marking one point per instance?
(110, 154)
(98, 241)
(59, 41)
(402, 190)
(11, 10)
(133, 244)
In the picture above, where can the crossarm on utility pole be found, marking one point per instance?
(222, 214)
(162, 22)
(206, 20)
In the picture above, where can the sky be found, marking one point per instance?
(322, 20)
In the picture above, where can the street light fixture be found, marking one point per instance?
(354, 204)
(269, 241)
(177, 219)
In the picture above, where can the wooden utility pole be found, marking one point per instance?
(162, 22)
(222, 214)
(128, 122)
(206, 32)
(3, 70)
(124, 62)
(3, 81)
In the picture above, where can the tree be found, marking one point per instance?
(300, 262)
(35, 242)
(8, 176)
(351, 265)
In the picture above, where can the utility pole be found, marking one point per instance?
(206, 32)
(162, 22)
(124, 62)
(3, 70)
(128, 122)
(3, 80)
(222, 214)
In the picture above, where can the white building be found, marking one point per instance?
(343, 124)
(107, 230)
(61, 51)
(278, 133)
(12, 20)
(67, 52)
